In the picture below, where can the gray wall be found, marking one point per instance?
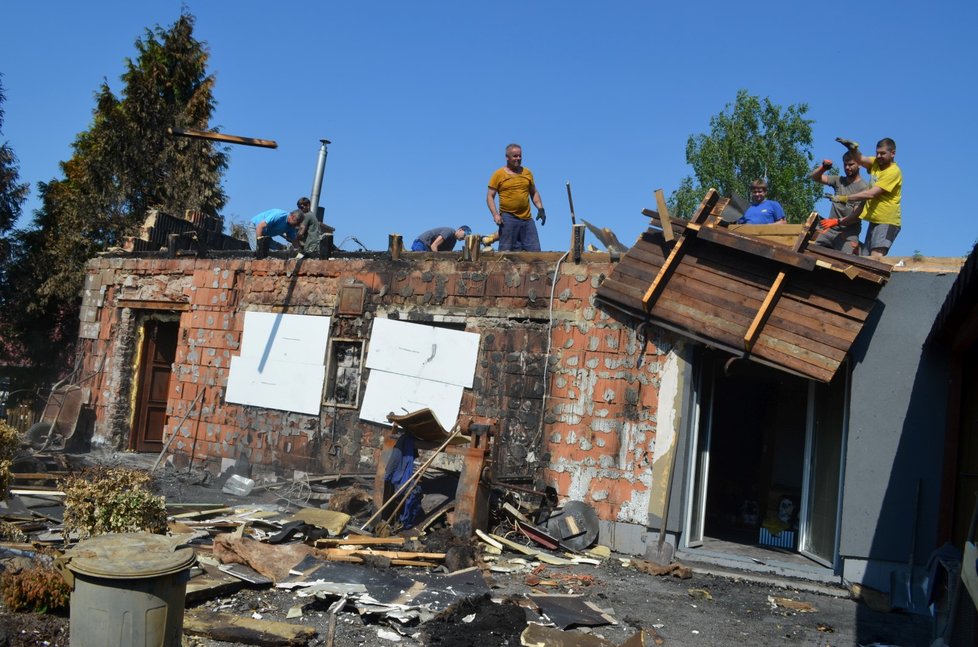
(896, 425)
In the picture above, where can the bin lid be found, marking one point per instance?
(129, 555)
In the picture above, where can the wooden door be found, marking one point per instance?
(158, 353)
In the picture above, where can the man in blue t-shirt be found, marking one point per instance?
(273, 222)
(761, 211)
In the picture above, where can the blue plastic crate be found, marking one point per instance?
(784, 539)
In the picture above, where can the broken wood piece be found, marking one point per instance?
(393, 554)
(230, 628)
(546, 558)
(509, 509)
(334, 608)
(221, 137)
(664, 218)
(359, 541)
(489, 540)
(792, 605)
(359, 559)
(200, 514)
(212, 583)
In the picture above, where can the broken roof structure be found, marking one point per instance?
(607, 381)
(799, 309)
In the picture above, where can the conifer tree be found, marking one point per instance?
(124, 164)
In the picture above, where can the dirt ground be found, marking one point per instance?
(706, 609)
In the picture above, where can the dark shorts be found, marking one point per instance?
(843, 239)
(518, 235)
(880, 237)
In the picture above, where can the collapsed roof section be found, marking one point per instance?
(797, 308)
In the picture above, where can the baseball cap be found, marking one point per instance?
(466, 229)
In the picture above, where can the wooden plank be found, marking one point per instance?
(787, 354)
(774, 293)
(805, 236)
(853, 304)
(725, 320)
(664, 218)
(244, 630)
(743, 309)
(659, 282)
(615, 291)
(846, 266)
(758, 248)
(786, 229)
(764, 311)
(354, 540)
(677, 226)
(797, 312)
(862, 262)
(221, 137)
(393, 554)
(678, 249)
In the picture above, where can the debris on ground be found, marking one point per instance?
(290, 563)
(790, 605)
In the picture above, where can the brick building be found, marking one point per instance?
(583, 397)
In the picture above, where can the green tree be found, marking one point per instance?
(12, 191)
(753, 138)
(124, 164)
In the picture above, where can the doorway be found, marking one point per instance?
(157, 353)
(766, 461)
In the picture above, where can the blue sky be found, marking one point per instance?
(420, 98)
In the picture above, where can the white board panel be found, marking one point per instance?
(287, 386)
(400, 394)
(300, 339)
(423, 351)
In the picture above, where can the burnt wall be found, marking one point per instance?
(573, 392)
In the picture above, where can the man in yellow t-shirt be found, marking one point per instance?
(514, 185)
(882, 210)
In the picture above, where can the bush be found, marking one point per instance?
(102, 500)
(39, 588)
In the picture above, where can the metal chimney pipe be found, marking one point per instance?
(317, 183)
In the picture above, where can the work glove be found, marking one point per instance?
(848, 143)
(542, 216)
(261, 248)
(826, 165)
(840, 199)
(828, 223)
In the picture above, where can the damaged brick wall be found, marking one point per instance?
(591, 433)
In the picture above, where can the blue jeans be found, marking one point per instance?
(518, 235)
(418, 246)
